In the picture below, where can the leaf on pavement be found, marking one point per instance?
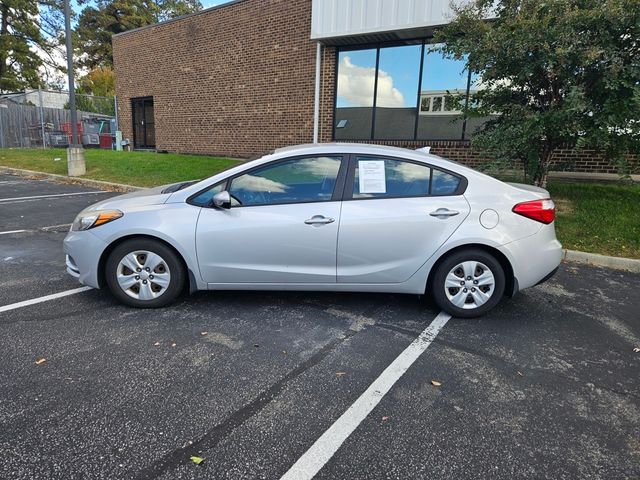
(204, 334)
(40, 361)
(384, 419)
(197, 460)
(436, 383)
(340, 374)
(637, 349)
(156, 344)
(173, 344)
(520, 374)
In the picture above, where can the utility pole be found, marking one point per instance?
(75, 152)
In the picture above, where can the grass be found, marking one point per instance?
(598, 218)
(144, 169)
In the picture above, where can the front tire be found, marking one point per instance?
(144, 273)
(468, 283)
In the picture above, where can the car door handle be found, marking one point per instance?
(444, 213)
(319, 220)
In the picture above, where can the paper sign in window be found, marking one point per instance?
(371, 176)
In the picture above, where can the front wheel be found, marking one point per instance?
(144, 273)
(468, 283)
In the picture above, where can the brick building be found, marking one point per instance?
(249, 76)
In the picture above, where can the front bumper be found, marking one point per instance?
(83, 251)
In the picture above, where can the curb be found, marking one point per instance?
(99, 184)
(595, 259)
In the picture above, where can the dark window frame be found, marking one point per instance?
(377, 46)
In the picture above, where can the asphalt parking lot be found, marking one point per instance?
(545, 386)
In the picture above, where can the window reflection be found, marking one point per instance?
(442, 96)
(354, 96)
(396, 93)
(299, 180)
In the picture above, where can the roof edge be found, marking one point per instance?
(181, 17)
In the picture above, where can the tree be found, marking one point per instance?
(29, 36)
(100, 81)
(552, 73)
(98, 22)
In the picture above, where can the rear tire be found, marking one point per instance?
(468, 283)
(144, 273)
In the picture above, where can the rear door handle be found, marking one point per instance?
(319, 220)
(444, 213)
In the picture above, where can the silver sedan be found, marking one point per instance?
(324, 217)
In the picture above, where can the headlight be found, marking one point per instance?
(88, 220)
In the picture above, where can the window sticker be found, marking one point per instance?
(371, 176)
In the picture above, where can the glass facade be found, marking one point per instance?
(405, 92)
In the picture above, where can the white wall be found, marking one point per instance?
(338, 18)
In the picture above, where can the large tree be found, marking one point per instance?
(551, 73)
(29, 37)
(99, 21)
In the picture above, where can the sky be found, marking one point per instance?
(399, 70)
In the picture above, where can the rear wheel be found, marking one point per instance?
(144, 273)
(468, 283)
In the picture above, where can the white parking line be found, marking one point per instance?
(12, 231)
(46, 298)
(2, 200)
(328, 444)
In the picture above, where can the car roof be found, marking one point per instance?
(420, 155)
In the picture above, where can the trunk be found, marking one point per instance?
(542, 172)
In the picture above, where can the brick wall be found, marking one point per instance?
(238, 80)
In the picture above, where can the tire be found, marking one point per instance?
(132, 284)
(483, 291)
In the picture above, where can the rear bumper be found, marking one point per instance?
(534, 259)
(549, 275)
(83, 251)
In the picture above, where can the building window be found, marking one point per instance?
(406, 92)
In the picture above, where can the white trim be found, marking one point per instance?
(328, 444)
(316, 99)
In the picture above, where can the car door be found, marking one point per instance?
(282, 225)
(396, 213)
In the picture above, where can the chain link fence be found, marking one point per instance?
(41, 119)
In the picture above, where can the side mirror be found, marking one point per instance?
(222, 200)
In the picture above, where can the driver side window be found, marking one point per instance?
(300, 180)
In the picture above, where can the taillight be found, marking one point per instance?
(539, 210)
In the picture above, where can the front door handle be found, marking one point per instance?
(319, 220)
(444, 213)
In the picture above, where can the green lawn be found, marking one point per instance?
(144, 169)
(598, 218)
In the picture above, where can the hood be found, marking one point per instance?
(140, 198)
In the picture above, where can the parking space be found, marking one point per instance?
(546, 386)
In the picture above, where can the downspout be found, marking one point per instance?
(316, 102)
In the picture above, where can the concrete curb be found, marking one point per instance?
(616, 263)
(99, 184)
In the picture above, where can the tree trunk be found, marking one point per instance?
(542, 173)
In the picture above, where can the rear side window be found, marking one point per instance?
(381, 178)
(443, 183)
